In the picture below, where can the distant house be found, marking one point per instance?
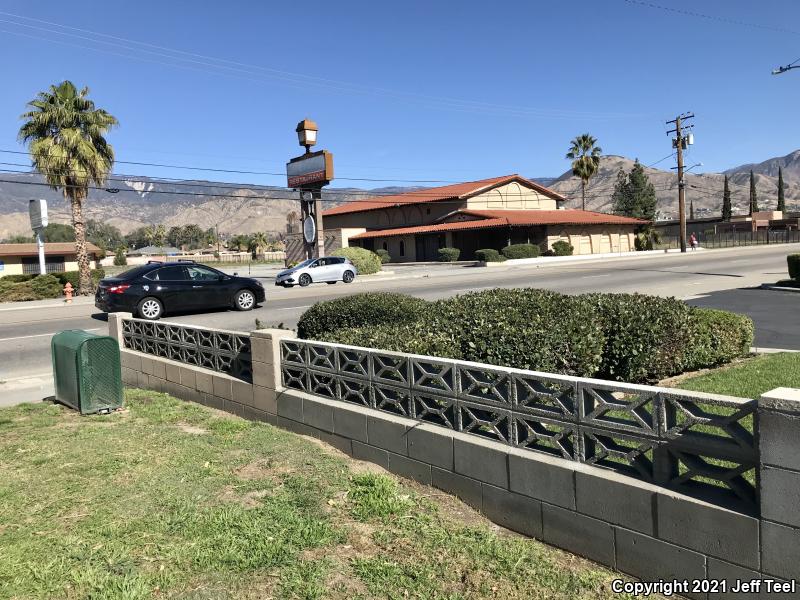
(491, 213)
(155, 251)
(18, 259)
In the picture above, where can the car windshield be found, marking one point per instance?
(305, 263)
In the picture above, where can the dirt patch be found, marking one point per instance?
(262, 469)
(250, 499)
(191, 429)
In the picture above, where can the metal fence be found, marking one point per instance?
(736, 238)
(223, 351)
(699, 444)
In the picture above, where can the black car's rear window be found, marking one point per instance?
(135, 272)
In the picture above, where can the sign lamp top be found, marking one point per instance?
(37, 209)
(307, 133)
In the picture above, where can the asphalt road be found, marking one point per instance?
(715, 278)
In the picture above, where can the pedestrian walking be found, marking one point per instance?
(693, 241)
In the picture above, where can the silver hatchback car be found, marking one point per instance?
(317, 270)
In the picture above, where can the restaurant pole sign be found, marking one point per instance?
(309, 173)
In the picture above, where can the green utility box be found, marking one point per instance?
(87, 371)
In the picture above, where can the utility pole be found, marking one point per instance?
(680, 142)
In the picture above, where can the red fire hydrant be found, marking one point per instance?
(68, 293)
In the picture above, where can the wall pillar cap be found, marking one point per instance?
(273, 334)
(783, 399)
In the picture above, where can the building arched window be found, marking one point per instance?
(385, 246)
(402, 248)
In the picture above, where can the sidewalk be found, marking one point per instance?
(33, 388)
(49, 303)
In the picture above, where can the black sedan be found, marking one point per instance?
(149, 291)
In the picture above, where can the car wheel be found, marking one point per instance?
(331, 282)
(244, 300)
(348, 277)
(150, 308)
(305, 279)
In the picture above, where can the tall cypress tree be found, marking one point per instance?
(691, 209)
(781, 199)
(726, 202)
(753, 195)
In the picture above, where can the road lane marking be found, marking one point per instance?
(596, 276)
(25, 337)
(295, 307)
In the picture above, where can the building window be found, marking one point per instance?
(386, 246)
(427, 211)
(402, 248)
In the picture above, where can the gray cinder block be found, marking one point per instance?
(512, 511)
(481, 459)
(342, 443)
(204, 382)
(173, 371)
(410, 468)
(615, 498)
(431, 444)
(159, 367)
(578, 533)
(718, 569)
(709, 529)
(389, 433)
(188, 377)
(242, 392)
(222, 386)
(780, 550)
(780, 495)
(379, 456)
(290, 407)
(350, 422)
(265, 399)
(318, 413)
(778, 435)
(543, 477)
(650, 559)
(469, 490)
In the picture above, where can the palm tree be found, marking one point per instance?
(258, 242)
(64, 133)
(585, 157)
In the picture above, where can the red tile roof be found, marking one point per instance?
(51, 248)
(458, 191)
(508, 218)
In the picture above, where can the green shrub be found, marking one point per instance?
(716, 337)
(366, 261)
(562, 248)
(39, 287)
(416, 337)
(17, 278)
(383, 255)
(74, 278)
(645, 336)
(359, 310)
(521, 251)
(119, 258)
(794, 266)
(489, 255)
(449, 254)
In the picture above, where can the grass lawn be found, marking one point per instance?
(173, 500)
(749, 378)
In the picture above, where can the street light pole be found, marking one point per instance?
(679, 142)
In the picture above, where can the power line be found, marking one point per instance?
(691, 13)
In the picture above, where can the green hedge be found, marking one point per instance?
(17, 278)
(39, 287)
(366, 262)
(562, 248)
(74, 278)
(716, 338)
(521, 251)
(449, 254)
(383, 255)
(489, 255)
(359, 310)
(626, 337)
(794, 265)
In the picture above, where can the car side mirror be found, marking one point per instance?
(235, 274)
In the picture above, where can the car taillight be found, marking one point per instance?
(118, 289)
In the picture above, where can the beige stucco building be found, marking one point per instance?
(18, 259)
(491, 213)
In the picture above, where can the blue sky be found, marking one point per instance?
(412, 90)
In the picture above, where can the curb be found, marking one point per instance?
(769, 286)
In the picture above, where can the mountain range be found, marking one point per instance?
(135, 201)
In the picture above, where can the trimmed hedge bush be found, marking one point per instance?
(40, 287)
(16, 278)
(562, 248)
(74, 278)
(521, 251)
(626, 337)
(383, 255)
(794, 266)
(716, 337)
(489, 255)
(360, 310)
(449, 254)
(366, 262)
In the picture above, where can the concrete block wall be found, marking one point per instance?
(643, 530)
